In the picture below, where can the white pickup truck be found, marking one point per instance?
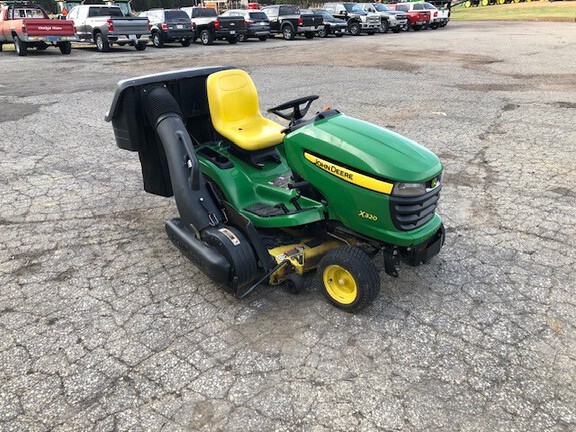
(439, 17)
(105, 25)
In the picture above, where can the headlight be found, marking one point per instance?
(409, 189)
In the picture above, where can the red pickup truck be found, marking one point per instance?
(417, 17)
(27, 25)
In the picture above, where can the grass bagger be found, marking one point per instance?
(260, 202)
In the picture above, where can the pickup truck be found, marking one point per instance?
(332, 25)
(105, 25)
(210, 26)
(169, 25)
(389, 19)
(27, 25)
(289, 22)
(439, 17)
(359, 21)
(418, 17)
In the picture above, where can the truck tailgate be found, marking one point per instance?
(230, 23)
(49, 27)
(130, 26)
(312, 20)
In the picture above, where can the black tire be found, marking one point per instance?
(206, 37)
(101, 41)
(309, 35)
(433, 26)
(157, 40)
(263, 38)
(384, 26)
(242, 38)
(65, 47)
(232, 40)
(339, 34)
(323, 32)
(294, 284)
(20, 46)
(288, 32)
(354, 29)
(358, 281)
(140, 46)
(41, 46)
(416, 27)
(186, 42)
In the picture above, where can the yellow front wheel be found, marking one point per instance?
(467, 3)
(350, 279)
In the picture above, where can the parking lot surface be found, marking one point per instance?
(105, 326)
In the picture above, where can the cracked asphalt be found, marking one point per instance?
(105, 326)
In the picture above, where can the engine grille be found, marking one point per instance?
(409, 213)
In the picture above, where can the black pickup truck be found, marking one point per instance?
(288, 21)
(210, 26)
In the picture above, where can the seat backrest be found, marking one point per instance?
(232, 98)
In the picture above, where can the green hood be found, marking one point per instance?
(369, 148)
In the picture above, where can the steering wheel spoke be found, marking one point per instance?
(299, 107)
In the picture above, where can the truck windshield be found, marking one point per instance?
(205, 12)
(381, 8)
(353, 7)
(289, 10)
(401, 7)
(259, 16)
(28, 13)
(125, 8)
(105, 11)
(176, 15)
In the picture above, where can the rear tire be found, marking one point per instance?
(157, 40)
(186, 42)
(354, 29)
(309, 35)
(20, 47)
(206, 37)
(140, 46)
(263, 38)
(349, 278)
(102, 44)
(232, 40)
(288, 32)
(65, 47)
(242, 38)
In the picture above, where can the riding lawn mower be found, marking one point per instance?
(260, 202)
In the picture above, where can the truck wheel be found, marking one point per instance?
(309, 35)
(354, 29)
(384, 26)
(65, 47)
(102, 44)
(433, 26)
(186, 42)
(20, 46)
(140, 46)
(206, 37)
(242, 38)
(232, 40)
(350, 279)
(323, 32)
(288, 32)
(263, 38)
(157, 40)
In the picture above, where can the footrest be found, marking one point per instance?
(264, 210)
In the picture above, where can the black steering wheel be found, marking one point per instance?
(297, 112)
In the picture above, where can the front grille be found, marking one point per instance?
(409, 213)
(373, 19)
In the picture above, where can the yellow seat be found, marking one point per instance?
(235, 112)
